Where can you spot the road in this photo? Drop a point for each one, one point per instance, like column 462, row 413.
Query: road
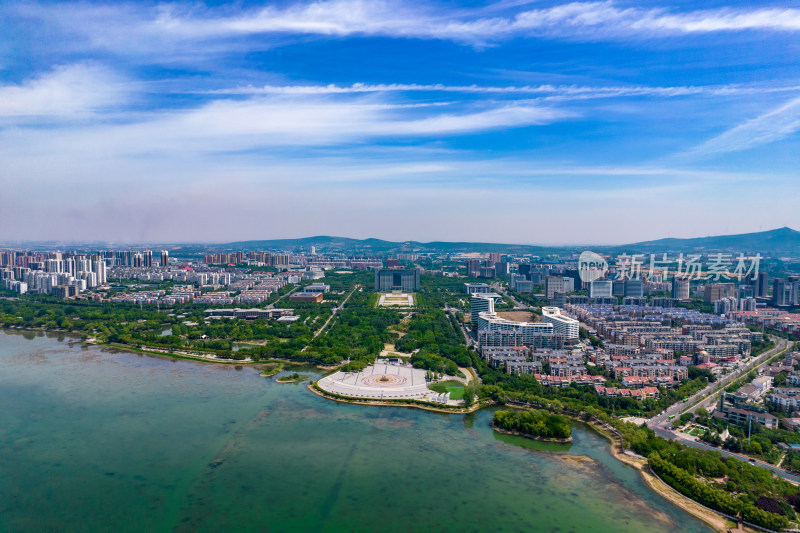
column 272, row 305
column 333, row 314
column 706, row 397
column 518, row 306
column 725, row 453
column 468, row 340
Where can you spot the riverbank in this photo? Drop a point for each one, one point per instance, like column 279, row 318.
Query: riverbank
column 398, row 403
column 527, row 436
column 712, row 519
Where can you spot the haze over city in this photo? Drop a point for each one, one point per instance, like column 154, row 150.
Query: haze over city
column 530, row 122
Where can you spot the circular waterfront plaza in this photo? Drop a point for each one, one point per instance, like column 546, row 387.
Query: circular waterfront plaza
column 379, row 382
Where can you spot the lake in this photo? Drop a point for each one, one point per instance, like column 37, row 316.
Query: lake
column 102, row 440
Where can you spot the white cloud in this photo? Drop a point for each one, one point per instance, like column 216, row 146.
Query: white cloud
column 550, row 91
column 277, row 121
column 167, row 31
column 578, row 19
column 769, row 127
column 69, row 91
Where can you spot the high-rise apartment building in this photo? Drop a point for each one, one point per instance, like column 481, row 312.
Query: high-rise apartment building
column 785, row 291
column 761, row 285
column 487, row 272
column 680, row 288
column 473, row 267
column 600, row 289
column 717, row 291
column 634, row 287
column 480, row 302
column 164, row 258
column 554, row 284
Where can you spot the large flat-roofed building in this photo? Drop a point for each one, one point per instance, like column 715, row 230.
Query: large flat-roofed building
column 304, row 296
column 397, row 280
column 488, row 321
column 248, row 314
column 473, row 288
column 317, row 287
column 566, row 326
column 600, row 289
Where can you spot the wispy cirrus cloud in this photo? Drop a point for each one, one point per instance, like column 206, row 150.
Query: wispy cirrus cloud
column 772, row 126
column 576, row 19
column 275, row 121
column 129, row 28
column 545, row 90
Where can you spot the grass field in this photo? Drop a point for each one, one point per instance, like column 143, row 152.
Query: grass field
column 455, row 388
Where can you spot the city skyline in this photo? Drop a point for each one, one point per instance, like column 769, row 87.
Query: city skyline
column 555, row 123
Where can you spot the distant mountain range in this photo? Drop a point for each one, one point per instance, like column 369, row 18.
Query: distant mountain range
column 325, row 243
column 777, row 241
column 782, row 240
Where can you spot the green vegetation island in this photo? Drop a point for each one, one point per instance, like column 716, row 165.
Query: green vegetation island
column 534, row 424
column 292, row 378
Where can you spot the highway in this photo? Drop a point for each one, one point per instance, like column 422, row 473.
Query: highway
column 725, row 453
column 518, row 306
column 708, row 396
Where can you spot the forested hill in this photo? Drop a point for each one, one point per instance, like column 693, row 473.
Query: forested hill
column 328, row 244
column 782, row 240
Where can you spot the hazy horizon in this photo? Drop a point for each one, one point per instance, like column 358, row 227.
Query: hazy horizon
column 220, row 243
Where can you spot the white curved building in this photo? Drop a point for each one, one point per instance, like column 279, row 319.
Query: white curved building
column 488, row 321
column 567, row 326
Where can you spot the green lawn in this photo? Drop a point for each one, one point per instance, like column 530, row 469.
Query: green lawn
column 455, row 388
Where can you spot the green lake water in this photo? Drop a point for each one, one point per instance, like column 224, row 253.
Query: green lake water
column 99, row 440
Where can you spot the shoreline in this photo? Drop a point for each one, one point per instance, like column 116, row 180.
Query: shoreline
column 79, row 339
column 531, row 437
column 710, row 518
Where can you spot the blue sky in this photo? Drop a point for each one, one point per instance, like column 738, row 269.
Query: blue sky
column 514, row 121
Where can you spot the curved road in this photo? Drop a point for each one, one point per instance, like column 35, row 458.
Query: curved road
column 708, row 396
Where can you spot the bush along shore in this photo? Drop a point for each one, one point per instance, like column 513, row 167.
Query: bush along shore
column 537, row 425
